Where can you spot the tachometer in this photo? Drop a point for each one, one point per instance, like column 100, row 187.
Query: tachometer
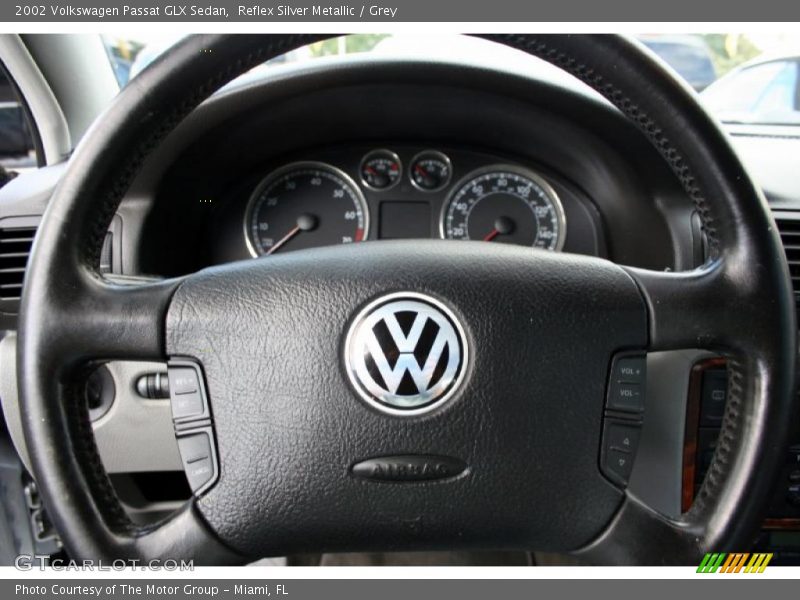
column 305, row 205
column 505, row 204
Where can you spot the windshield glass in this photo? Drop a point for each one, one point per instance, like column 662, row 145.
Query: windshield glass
column 741, row 78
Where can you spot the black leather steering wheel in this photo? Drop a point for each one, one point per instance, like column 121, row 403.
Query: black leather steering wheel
column 526, row 419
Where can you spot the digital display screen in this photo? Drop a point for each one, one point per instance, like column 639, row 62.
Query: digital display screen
column 404, row 220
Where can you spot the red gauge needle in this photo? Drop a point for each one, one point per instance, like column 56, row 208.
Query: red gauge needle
column 492, row 234
column 305, row 222
column 502, row 225
column 292, row 232
column 380, row 180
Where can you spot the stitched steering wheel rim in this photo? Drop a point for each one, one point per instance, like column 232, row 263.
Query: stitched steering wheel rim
column 71, row 315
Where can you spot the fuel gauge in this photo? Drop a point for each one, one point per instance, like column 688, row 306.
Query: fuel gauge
column 381, row 170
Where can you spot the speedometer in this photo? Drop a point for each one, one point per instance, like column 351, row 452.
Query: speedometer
column 305, row 205
column 505, row 204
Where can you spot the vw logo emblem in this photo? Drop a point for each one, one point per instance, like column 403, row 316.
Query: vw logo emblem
column 405, row 353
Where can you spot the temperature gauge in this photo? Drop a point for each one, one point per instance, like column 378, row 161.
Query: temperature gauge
column 380, row 170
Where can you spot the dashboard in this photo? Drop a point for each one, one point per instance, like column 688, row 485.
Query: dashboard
column 357, row 193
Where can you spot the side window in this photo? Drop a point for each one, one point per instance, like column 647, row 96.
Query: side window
column 17, row 149
column 778, row 102
column 762, row 94
column 740, row 92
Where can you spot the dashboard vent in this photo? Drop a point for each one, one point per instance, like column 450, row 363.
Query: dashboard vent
column 15, row 246
column 789, row 228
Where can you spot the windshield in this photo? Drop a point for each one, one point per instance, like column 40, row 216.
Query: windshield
column 741, row 78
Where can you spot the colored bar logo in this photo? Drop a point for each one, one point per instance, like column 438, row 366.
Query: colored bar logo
column 734, row 563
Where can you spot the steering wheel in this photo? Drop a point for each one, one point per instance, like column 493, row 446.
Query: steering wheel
column 284, row 351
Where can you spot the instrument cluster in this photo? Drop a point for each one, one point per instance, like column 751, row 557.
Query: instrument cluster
column 400, row 192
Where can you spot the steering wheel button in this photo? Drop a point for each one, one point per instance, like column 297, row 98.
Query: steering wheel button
column 183, row 381
column 194, row 446
column 198, row 472
column 198, row 459
column 618, row 465
column 620, row 441
column 626, row 388
column 620, row 436
column 630, row 369
column 626, row 396
column 186, row 392
column 186, row 406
